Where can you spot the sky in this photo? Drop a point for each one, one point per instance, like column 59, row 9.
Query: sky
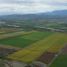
column 31, row 6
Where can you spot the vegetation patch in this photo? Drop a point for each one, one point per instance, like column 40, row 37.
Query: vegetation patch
column 61, row 61
column 24, row 40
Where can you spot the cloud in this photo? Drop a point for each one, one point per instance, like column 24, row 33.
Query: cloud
column 34, row 1
column 31, row 6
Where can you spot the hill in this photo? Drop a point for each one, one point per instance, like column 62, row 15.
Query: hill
column 58, row 14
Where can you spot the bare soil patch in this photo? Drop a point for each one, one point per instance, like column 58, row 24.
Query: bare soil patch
column 46, row 57
column 6, row 51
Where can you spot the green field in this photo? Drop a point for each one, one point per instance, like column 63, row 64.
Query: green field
column 24, row 40
column 61, row 61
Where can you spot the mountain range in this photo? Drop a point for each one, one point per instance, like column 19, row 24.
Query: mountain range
column 58, row 14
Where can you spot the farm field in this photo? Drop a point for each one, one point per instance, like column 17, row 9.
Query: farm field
column 10, row 30
column 34, row 46
column 61, row 61
column 58, row 45
column 8, row 35
column 35, row 50
column 46, row 57
column 23, row 40
column 4, row 32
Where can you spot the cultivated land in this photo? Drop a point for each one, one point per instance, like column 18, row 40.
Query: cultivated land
column 35, row 50
column 4, row 36
column 61, row 60
column 35, row 46
column 8, row 30
column 23, row 40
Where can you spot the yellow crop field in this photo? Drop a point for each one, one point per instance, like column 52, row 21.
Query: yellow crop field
column 59, row 44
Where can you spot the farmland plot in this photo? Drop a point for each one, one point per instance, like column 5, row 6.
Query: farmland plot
column 25, row 39
column 61, row 60
column 4, row 36
column 59, row 44
column 32, row 52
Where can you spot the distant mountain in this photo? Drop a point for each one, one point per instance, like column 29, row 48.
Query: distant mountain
column 58, row 14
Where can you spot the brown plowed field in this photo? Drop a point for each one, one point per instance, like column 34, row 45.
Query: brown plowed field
column 46, row 57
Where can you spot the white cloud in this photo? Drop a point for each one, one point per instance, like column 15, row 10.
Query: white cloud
column 31, row 6
column 33, row 1
column 18, row 8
